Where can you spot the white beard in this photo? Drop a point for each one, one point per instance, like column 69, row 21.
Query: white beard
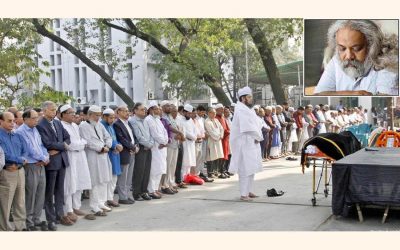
column 354, row 68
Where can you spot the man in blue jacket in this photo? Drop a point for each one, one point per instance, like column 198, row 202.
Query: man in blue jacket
column 114, row 155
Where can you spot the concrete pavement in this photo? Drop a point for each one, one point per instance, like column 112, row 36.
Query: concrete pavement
column 216, row 207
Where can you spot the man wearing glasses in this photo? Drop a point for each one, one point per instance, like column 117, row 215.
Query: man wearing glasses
column 35, row 176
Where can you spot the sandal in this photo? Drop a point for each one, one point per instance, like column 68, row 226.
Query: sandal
column 251, row 195
column 99, row 213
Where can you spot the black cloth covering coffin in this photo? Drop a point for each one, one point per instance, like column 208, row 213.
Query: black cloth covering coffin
column 333, row 145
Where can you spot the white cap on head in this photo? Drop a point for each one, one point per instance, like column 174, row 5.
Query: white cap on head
column 326, row 107
column 188, row 108
column 268, row 108
column 291, row 109
column 317, row 107
column 108, row 112
column 95, row 109
column 65, row 108
column 165, row 102
column 153, row 104
column 244, row 91
column 256, row 107
column 218, row 105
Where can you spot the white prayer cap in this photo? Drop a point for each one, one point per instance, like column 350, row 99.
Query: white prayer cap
column 317, row 107
column 291, row 109
column 341, row 110
column 153, row 104
column 326, row 107
column 65, row 108
column 108, row 112
column 95, row 109
column 279, row 106
column 268, row 108
column 219, row 105
column 244, row 91
column 165, row 102
column 188, row 108
column 256, row 107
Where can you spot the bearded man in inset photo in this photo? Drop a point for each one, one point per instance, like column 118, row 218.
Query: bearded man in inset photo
column 359, row 60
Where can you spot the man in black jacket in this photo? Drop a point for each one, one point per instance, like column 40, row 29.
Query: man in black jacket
column 56, row 140
column 125, row 135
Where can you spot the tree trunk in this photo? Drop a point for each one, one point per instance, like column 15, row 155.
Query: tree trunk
column 259, row 39
column 107, row 78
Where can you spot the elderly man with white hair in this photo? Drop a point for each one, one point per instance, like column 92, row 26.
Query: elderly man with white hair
column 245, row 138
column 159, row 149
column 362, row 60
column 77, row 176
column 99, row 143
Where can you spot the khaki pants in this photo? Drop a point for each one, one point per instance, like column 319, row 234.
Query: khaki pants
column 12, row 193
column 168, row 179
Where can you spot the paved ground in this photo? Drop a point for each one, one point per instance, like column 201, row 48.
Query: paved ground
column 216, row 207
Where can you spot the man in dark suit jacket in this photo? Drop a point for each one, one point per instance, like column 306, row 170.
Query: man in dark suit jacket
column 56, row 140
column 124, row 132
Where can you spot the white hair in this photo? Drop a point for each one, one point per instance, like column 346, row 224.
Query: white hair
column 382, row 49
column 46, row 104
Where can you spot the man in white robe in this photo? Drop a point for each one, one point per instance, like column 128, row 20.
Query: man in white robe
column 321, row 120
column 77, row 176
column 189, row 146
column 158, row 151
column 99, row 142
column 244, row 140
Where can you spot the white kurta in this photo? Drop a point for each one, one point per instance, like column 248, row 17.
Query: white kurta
column 304, row 134
column 160, row 136
column 99, row 163
column 77, row 175
column 189, row 146
column 215, row 134
column 246, row 154
column 322, row 127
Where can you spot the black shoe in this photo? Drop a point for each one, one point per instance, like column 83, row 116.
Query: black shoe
column 42, row 225
column 146, row 196
column 155, row 196
column 227, row 175
column 138, row 198
column 167, row 191
column 52, row 226
column 126, row 202
column 221, row 176
column 230, row 174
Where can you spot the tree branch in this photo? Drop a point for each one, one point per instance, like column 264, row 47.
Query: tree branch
column 179, row 26
column 41, row 29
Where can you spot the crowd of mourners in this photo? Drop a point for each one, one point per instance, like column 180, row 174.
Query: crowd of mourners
column 54, row 157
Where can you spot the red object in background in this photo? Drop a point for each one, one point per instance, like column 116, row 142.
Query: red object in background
column 193, row 179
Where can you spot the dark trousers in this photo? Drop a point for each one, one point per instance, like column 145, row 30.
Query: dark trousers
column 141, row 171
column 178, row 171
column 54, row 194
column 227, row 163
column 264, row 145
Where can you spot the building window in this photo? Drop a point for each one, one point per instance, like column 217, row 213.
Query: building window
column 77, row 85
column 57, row 23
column 51, row 46
column 60, row 83
column 129, row 53
column 51, row 60
column 84, row 80
column 59, row 61
column 53, row 78
column 111, row 94
column 58, row 33
column 130, row 71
